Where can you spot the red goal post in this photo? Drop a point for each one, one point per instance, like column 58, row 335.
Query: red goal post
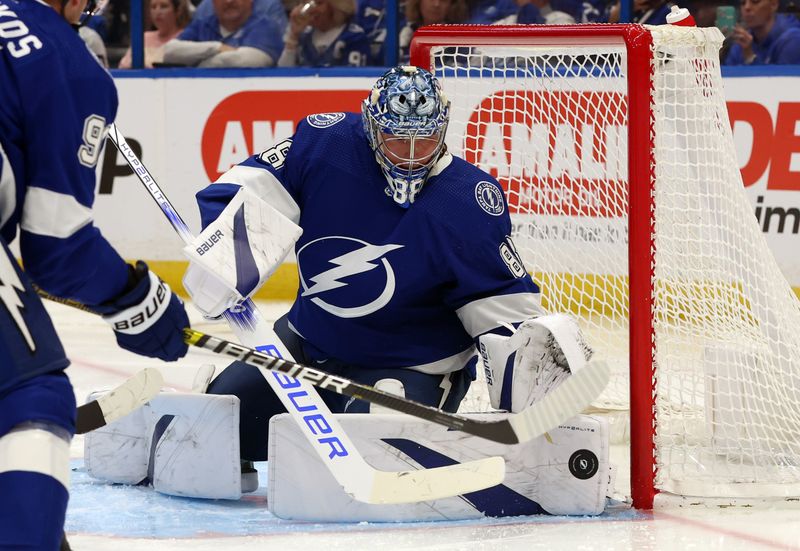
column 617, row 137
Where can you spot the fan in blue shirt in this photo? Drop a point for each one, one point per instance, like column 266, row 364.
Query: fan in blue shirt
column 766, row 37
column 233, row 35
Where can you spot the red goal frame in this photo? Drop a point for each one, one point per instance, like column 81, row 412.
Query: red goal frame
column 641, row 207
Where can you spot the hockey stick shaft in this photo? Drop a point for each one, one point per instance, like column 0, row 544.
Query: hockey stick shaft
column 342, row 459
column 375, row 486
column 568, row 399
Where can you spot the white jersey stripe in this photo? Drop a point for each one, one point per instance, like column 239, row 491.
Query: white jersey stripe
column 483, row 315
column 36, row 451
column 446, row 365
column 8, row 189
column 53, row 214
column 264, row 184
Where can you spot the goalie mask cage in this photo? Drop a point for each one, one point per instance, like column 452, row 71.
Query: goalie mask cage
column 615, row 150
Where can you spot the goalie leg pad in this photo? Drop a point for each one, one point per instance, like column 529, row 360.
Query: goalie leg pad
column 541, row 353
column 564, row 472
column 237, row 252
column 185, row 444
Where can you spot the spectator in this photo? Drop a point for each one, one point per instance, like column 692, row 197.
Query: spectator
column 537, row 11
column 169, row 17
column 766, row 37
column 486, row 12
column 371, row 16
column 275, row 10
column 705, row 12
column 649, row 12
column 232, row 36
column 113, row 23
column 428, row 12
column 585, row 11
column 320, row 34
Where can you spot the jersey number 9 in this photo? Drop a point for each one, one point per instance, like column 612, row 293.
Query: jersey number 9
column 93, row 134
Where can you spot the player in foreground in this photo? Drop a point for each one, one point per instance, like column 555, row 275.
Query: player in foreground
column 51, row 136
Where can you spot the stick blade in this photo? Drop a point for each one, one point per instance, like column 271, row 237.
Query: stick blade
column 438, row 483
column 121, row 401
column 567, row 400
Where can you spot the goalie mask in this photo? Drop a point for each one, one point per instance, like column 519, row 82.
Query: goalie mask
column 405, row 119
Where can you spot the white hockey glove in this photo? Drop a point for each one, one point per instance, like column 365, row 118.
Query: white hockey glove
column 233, row 257
column 540, row 354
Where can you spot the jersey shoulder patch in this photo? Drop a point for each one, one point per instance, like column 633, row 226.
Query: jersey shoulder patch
column 324, row 120
column 489, row 197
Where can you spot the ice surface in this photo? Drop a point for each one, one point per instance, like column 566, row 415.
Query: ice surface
column 123, row 518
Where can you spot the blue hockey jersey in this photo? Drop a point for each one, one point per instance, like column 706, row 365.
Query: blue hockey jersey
column 55, row 104
column 382, row 286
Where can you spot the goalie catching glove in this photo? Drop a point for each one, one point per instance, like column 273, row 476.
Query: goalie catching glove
column 523, row 368
column 233, row 257
column 147, row 318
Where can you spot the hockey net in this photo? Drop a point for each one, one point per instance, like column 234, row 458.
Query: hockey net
column 614, row 147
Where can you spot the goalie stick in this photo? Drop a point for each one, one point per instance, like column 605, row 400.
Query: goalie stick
column 121, row 401
column 565, row 401
column 346, row 464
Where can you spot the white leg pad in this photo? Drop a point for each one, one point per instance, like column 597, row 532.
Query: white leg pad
column 565, row 472
column 186, row 444
column 35, row 450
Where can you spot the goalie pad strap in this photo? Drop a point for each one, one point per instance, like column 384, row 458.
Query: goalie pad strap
column 35, row 450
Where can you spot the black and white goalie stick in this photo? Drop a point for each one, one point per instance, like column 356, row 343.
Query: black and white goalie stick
column 120, row 401
column 567, row 400
column 349, row 468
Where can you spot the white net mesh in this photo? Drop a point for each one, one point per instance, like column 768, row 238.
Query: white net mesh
column 550, row 121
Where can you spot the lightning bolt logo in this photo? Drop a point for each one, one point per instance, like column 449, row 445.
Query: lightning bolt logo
column 10, row 287
column 361, row 260
column 352, row 263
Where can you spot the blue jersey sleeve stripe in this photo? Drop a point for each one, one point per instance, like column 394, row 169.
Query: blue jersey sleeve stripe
column 8, row 189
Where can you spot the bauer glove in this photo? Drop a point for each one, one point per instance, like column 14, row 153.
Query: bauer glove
column 148, row 318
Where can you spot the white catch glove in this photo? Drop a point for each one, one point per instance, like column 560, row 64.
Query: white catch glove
column 233, row 257
column 540, row 354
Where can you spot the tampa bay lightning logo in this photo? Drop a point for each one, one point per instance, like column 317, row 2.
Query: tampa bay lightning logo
column 489, row 198
column 346, row 277
column 324, row 120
